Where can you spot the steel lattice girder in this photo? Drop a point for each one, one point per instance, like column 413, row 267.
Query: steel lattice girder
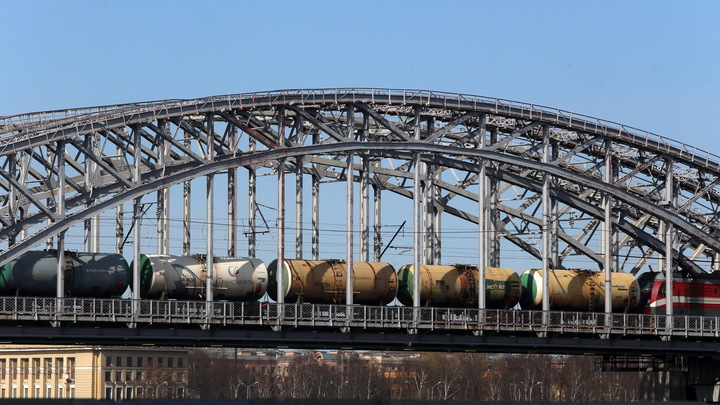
column 449, row 127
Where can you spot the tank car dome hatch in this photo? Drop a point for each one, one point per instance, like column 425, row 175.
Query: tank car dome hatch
column 324, row 281
column 456, row 286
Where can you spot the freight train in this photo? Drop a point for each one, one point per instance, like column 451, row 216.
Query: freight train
column 104, row 275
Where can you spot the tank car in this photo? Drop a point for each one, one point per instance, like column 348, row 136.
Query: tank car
column 579, row 290
column 34, row 273
column 456, row 286
column 183, row 277
column 696, row 295
column 324, row 281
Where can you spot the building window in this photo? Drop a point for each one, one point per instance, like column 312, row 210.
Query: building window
column 181, row 392
column 160, row 362
column 60, row 391
column 139, row 392
column 108, row 376
column 48, row 391
column 26, row 369
column 48, row 368
column 118, row 393
column 108, row 361
column 108, row 392
column 128, row 392
column 26, row 391
column 59, row 368
column 13, row 369
column 138, row 375
column 128, row 376
column 36, row 369
column 71, row 367
column 139, row 361
column 72, row 391
column 2, row 392
column 14, row 391
column 3, row 368
column 118, row 376
column 170, row 361
column 37, row 390
column 181, row 362
column 118, row 361
column 129, row 362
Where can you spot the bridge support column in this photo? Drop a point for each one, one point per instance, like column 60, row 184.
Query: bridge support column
column 482, row 217
column 60, row 213
column 417, row 218
column 210, row 200
column 163, row 196
column 607, row 230
column 232, row 197
column 137, row 212
column 315, row 249
column 187, row 195
column 299, row 195
column 252, row 205
column 669, row 239
column 377, row 218
column 365, row 210
column 349, row 181
column 281, row 233
column 546, row 222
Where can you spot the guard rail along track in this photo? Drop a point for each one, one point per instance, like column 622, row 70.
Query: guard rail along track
column 138, row 313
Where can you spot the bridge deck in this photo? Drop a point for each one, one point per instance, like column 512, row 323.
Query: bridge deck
column 199, row 323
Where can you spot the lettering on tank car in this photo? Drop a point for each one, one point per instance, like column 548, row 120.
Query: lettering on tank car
column 363, row 278
column 495, row 286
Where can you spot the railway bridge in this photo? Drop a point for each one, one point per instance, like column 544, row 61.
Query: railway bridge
column 475, row 177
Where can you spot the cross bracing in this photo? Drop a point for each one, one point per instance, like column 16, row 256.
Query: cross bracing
column 486, row 161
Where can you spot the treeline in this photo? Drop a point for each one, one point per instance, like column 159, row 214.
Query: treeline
column 456, row 376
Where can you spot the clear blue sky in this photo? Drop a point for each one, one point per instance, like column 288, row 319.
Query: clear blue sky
column 648, row 64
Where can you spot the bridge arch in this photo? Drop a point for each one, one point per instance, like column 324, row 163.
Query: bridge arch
column 114, row 154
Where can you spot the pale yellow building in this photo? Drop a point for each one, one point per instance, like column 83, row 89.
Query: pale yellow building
column 92, row 372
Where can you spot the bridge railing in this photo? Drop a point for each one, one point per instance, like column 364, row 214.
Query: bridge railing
column 207, row 314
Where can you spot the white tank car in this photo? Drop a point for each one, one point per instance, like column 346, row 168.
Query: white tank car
column 183, row 277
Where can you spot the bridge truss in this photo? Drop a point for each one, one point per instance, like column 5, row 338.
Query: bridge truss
column 622, row 198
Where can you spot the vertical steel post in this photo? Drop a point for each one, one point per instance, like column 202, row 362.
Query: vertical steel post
column 546, row 223
column 299, row 207
column 281, row 211
column 187, row 195
column 210, row 200
column 482, row 217
column 669, row 236
column 24, row 168
column 87, row 224
column 417, row 215
column 349, row 179
column 607, row 228
column 137, row 211
column 12, row 196
column 377, row 224
column 429, row 208
column 365, row 197
column 252, row 204
column 119, row 214
column 493, row 219
column 163, row 196
column 281, row 233
column 315, row 254
column 51, row 157
column 232, row 197
column 60, row 214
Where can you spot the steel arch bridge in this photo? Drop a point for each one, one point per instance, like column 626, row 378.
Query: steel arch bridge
column 512, row 168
